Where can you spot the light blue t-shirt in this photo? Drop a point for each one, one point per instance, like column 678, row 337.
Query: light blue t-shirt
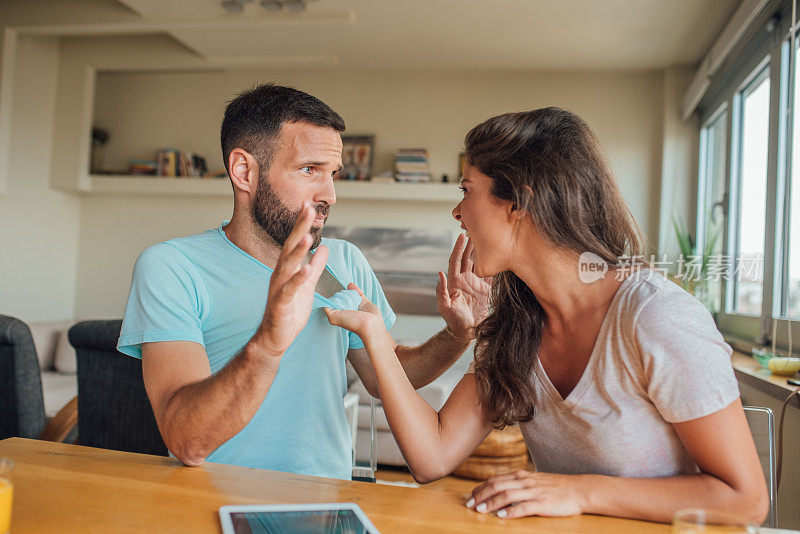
column 205, row 289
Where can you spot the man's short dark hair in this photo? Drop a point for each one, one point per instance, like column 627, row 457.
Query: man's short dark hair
column 254, row 118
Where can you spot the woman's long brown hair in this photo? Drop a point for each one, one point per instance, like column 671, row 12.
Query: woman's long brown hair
column 548, row 163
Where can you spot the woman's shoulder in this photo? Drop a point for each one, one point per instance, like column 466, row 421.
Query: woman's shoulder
column 647, row 296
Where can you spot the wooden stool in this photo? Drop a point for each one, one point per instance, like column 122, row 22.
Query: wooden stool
column 503, row 451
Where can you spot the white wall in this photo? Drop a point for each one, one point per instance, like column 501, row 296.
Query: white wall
column 38, row 226
column 678, row 191
column 146, row 111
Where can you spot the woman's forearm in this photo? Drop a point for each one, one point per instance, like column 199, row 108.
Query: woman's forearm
column 414, row 423
column 657, row 499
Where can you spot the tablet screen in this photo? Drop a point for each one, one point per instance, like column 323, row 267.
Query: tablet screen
column 301, row 521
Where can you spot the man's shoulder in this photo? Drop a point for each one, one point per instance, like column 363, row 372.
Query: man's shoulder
column 340, row 248
column 177, row 251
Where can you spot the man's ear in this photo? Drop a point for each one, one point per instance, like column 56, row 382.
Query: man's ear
column 243, row 170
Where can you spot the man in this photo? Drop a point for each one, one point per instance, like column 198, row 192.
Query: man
column 239, row 360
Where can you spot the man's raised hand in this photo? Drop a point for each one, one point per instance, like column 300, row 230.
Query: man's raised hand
column 291, row 288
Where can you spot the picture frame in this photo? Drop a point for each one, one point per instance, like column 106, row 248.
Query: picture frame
column 357, row 156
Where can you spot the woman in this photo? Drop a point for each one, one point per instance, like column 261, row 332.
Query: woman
column 620, row 381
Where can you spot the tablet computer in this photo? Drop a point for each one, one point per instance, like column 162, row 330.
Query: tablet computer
column 327, row 518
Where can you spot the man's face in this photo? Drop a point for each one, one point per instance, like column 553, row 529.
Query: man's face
column 302, row 169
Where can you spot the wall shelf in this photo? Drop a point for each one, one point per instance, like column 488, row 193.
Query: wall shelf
column 345, row 190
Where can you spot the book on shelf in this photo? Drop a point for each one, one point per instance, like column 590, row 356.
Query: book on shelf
column 411, row 165
column 142, row 167
column 174, row 163
column 413, row 177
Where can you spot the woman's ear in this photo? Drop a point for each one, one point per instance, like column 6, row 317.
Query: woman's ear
column 243, row 170
column 518, row 212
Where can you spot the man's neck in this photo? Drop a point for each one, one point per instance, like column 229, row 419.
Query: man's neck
column 252, row 239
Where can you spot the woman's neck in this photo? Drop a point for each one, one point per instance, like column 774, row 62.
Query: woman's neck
column 553, row 277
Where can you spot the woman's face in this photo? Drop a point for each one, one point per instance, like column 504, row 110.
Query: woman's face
column 488, row 222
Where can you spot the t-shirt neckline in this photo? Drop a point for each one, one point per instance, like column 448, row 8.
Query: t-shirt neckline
column 580, row 389
column 224, row 236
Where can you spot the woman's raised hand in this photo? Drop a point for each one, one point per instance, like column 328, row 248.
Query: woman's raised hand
column 365, row 321
column 462, row 296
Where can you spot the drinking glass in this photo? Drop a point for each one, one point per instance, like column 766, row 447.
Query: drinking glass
column 696, row 520
column 6, row 494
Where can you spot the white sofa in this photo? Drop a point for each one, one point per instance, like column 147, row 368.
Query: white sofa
column 408, row 330
column 57, row 363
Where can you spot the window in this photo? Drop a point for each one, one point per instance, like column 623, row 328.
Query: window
column 749, row 183
column 746, row 275
column 712, row 203
column 789, row 290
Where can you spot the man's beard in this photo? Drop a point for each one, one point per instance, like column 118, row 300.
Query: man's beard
column 276, row 218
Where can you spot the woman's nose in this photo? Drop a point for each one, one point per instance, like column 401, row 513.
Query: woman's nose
column 457, row 212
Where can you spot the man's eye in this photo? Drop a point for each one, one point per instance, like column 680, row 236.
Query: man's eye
column 308, row 169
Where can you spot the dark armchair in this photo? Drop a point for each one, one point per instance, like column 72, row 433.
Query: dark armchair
column 22, row 413
column 113, row 409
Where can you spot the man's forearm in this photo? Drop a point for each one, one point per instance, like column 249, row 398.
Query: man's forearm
column 201, row 416
column 425, row 363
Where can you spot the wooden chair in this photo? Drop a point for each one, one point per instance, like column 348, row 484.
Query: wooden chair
column 21, row 397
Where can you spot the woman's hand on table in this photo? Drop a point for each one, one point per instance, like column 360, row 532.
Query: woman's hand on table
column 462, row 297
column 524, row 493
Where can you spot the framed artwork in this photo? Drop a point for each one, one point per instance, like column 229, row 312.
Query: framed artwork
column 357, row 155
column 406, row 262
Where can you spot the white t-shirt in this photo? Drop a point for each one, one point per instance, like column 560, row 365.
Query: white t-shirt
column 658, row 359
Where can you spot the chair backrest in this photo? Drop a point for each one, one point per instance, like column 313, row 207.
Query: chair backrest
column 113, row 409
column 762, row 427
column 22, row 413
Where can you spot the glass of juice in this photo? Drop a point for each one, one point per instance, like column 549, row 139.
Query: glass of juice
column 696, row 520
column 6, row 493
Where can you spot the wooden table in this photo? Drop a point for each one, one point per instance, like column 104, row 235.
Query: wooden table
column 67, row 488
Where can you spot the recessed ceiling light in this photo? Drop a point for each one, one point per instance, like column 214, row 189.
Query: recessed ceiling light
column 233, row 6
column 272, row 5
column 295, row 5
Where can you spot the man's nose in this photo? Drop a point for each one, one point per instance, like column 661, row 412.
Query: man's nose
column 327, row 194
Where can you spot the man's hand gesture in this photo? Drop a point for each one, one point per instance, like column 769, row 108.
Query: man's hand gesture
column 291, row 288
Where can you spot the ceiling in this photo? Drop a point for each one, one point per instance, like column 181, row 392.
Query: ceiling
column 453, row 34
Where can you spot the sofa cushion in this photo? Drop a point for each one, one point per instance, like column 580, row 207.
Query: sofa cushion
column 388, row 452
column 58, row 389
column 45, row 338
column 65, row 360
